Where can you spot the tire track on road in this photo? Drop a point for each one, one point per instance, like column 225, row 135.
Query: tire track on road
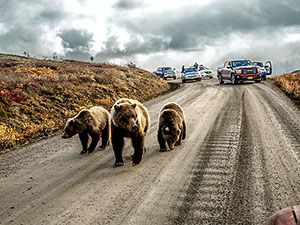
column 282, row 111
column 268, row 177
column 206, row 197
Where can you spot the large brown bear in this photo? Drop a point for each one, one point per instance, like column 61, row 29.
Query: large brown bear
column 172, row 126
column 130, row 119
column 93, row 122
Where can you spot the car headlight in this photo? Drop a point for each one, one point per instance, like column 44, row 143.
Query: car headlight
column 258, row 70
column 239, row 71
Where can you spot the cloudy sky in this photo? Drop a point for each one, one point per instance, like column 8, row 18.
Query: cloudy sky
column 153, row 33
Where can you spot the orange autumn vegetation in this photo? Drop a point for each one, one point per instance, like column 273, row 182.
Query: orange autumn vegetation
column 37, row 96
column 290, row 83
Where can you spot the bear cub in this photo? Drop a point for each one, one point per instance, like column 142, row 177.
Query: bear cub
column 130, row 119
column 172, row 126
column 93, row 122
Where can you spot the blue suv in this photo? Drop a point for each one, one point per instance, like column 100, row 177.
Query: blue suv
column 165, row 73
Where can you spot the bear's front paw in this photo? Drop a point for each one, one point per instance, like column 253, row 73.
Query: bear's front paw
column 119, row 164
column 136, row 160
column 83, row 151
column 163, row 150
column 177, row 143
column 91, row 150
column 102, row 147
column 135, row 164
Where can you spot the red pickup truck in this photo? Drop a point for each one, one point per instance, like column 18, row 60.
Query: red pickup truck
column 239, row 70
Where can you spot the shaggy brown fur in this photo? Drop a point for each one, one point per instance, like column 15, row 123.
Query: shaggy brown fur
column 130, row 119
column 172, row 126
column 93, row 122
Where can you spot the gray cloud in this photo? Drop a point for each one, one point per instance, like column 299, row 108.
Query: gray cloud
column 31, row 12
column 21, row 38
column 133, row 47
column 50, row 16
column 127, row 4
column 233, row 29
column 79, row 40
column 76, row 44
column 194, row 27
column 25, row 23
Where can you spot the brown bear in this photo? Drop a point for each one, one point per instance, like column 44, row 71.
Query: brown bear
column 172, row 126
column 130, row 119
column 93, row 122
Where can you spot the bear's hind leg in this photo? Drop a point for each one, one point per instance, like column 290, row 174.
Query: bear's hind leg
column 84, row 138
column 95, row 139
column 138, row 144
column 118, row 144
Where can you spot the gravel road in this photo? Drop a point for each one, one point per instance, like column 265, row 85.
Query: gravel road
column 238, row 164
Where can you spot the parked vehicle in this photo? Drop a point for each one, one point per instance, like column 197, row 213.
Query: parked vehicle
column 239, row 70
column 205, row 72
column 265, row 69
column 165, row 73
column 190, row 73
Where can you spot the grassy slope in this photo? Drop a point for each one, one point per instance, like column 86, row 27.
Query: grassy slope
column 290, row 83
column 36, row 96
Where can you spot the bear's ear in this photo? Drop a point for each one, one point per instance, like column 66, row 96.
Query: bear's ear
column 133, row 105
column 84, row 113
column 117, row 107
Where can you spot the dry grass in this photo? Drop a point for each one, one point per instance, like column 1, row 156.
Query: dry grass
column 36, row 96
column 290, row 83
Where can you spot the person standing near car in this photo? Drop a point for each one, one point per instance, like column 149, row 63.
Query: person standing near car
column 196, row 65
column 182, row 69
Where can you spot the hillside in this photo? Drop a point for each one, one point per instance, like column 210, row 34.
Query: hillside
column 37, row 96
column 289, row 83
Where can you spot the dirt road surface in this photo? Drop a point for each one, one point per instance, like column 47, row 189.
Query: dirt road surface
column 239, row 164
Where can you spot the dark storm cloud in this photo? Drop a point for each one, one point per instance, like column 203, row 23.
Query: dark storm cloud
column 21, row 38
column 194, row 27
column 127, row 4
column 7, row 10
column 281, row 13
column 134, row 46
column 76, row 39
column 50, row 15
column 37, row 26
column 25, row 22
column 31, row 12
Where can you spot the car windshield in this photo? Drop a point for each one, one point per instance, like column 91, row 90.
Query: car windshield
column 239, row 63
column 260, row 64
column 203, row 68
column 188, row 70
column 166, row 68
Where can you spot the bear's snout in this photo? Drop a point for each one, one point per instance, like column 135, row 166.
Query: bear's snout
column 171, row 145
